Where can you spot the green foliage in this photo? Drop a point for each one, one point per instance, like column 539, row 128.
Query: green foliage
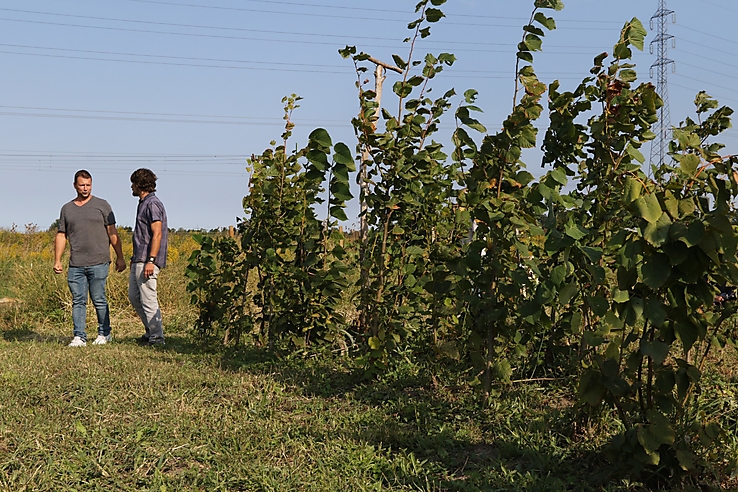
column 296, row 257
column 595, row 273
column 646, row 261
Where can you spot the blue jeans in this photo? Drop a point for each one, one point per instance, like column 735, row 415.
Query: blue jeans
column 90, row 279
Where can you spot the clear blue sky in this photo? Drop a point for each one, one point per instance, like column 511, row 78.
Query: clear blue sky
column 190, row 88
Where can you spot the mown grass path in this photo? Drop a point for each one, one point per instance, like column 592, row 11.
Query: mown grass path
column 185, row 417
column 124, row 417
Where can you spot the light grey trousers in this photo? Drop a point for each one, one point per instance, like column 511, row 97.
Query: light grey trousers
column 142, row 294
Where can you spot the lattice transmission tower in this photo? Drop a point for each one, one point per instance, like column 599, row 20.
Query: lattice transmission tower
column 660, row 46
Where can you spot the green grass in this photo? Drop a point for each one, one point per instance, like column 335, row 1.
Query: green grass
column 190, row 416
column 123, row 417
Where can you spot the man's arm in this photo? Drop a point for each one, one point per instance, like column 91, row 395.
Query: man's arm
column 60, row 242
column 120, row 262
column 153, row 247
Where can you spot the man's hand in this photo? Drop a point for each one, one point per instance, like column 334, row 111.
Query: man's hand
column 148, row 270
column 60, row 242
column 120, row 264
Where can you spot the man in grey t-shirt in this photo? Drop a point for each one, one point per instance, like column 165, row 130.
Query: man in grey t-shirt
column 88, row 223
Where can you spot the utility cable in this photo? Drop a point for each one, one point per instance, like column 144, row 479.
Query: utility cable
column 347, row 71
column 182, row 115
column 363, row 9
column 511, row 26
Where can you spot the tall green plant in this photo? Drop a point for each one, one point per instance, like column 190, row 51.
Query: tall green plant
column 502, row 207
column 634, row 261
column 411, row 189
column 295, row 255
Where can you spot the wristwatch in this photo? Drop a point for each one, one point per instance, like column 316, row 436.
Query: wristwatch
column 151, row 259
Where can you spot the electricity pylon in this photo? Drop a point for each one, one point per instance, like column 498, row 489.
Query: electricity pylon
column 662, row 129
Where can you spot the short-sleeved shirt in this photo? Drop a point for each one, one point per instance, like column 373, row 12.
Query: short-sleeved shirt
column 149, row 210
column 86, row 228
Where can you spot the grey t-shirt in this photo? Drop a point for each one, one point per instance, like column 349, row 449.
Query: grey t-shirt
column 149, row 210
column 86, row 230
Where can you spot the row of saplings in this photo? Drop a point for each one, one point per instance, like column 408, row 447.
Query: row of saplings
column 595, row 275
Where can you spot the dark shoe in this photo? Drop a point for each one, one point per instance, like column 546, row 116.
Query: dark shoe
column 142, row 340
column 156, row 343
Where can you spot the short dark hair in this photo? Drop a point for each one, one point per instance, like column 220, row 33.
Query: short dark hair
column 145, row 179
column 82, row 174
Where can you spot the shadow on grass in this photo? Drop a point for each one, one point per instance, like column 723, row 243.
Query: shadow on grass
column 407, row 413
column 26, row 335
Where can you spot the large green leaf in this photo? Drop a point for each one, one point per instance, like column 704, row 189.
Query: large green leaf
column 649, row 208
column 341, row 191
column 434, row 15
column 687, row 333
column 648, row 441
column 599, row 305
column 547, row 22
column 576, row 231
column 567, row 293
column 633, row 190
column 318, row 159
column 338, row 213
column 686, row 459
column 342, row 155
column 533, row 42
column 660, row 427
column 549, row 4
column 686, row 206
column 658, row 233
column 502, row 370
column 710, row 246
column 630, row 75
column 656, row 270
column 635, row 33
column 593, row 254
column 321, row 137
column 689, row 163
column 657, row 350
column 655, row 311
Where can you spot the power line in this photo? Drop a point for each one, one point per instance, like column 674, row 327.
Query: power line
column 230, row 60
column 127, row 170
column 193, row 26
column 732, row 89
column 183, row 115
column 173, row 57
column 682, row 50
column 718, row 5
column 346, row 71
column 705, row 69
column 217, row 36
column 322, row 35
column 710, row 35
column 110, row 19
column 155, row 120
column 91, row 154
column 197, row 35
column 711, row 48
column 698, row 90
column 362, row 9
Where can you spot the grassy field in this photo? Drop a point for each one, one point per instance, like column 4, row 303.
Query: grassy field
column 190, row 416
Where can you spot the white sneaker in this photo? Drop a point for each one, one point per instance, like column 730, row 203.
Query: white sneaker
column 77, row 342
column 102, row 339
